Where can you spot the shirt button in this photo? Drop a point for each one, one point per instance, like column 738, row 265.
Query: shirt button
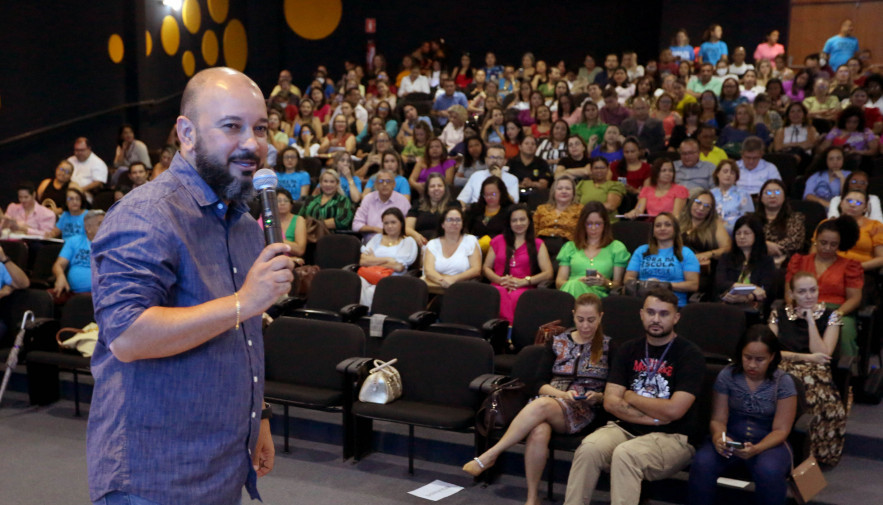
column 235, row 270
column 220, row 205
column 249, row 343
column 253, row 415
column 255, row 378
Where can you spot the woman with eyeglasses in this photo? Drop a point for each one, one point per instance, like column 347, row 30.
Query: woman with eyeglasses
column 52, row 192
column 732, row 201
column 290, row 175
column 783, row 229
column 840, row 279
column 666, row 258
column 486, row 218
column 390, row 160
column 70, row 223
column 516, row 260
column 452, row 256
column 702, row 230
column 828, row 177
column 858, row 180
column 593, row 262
column 746, row 263
column 869, row 249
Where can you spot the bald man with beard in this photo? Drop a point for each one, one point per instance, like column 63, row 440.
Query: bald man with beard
column 180, row 281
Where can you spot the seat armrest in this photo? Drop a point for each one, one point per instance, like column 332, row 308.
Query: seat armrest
column 496, row 331
column 421, row 319
column 866, row 312
column 285, row 306
column 846, row 362
column 801, row 424
column 456, row 329
column 353, row 312
column 354, row 366
column 486, row 383
column 322, row 315
column 352, row 267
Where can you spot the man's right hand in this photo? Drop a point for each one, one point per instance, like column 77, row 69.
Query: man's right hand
column 269, row 278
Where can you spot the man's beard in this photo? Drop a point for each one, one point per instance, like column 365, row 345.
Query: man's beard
column 661, row 334
column 218, row 176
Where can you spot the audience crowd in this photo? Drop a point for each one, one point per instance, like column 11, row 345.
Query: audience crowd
column 756, row 181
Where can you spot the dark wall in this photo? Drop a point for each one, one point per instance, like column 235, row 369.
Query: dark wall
column 744, row 23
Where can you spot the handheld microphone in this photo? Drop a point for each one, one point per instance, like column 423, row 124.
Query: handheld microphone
column 264, row 181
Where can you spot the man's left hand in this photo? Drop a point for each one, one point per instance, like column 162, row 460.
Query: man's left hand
column 265, row 451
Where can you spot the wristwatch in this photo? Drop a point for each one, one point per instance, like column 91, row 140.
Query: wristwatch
column 267, row 412
column 5, row 260
column 528, row 280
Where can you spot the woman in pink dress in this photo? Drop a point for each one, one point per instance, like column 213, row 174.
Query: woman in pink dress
column 516, row 260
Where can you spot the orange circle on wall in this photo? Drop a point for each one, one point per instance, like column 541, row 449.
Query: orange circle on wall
column 218, row 9
column 191, row 15
column 148, row 43
column 170, row 35
column 235, row 45
column 313, row 19
column 115, row 48
column 210, row 47
column 188, row 62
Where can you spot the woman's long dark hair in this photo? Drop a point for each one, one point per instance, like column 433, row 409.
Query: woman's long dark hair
column 468, row 160
column 529, row 239
column 763, row 334
column 780, row 224
column 820, row 163
column 758, row 250
column 477, row 208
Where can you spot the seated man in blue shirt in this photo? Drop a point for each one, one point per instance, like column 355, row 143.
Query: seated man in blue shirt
column 444, row 101
column 73, row 267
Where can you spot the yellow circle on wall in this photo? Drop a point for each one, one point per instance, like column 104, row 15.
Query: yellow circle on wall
column 188, row 61
column 235, row 45
column 148, row 43
column 217, row 9
column 115, row 48
column 313, row 19
column 210, row 47
column 191, row 15
column 170, row 35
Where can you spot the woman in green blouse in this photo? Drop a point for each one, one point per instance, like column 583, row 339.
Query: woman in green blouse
column 330, row 206
column 593, row 262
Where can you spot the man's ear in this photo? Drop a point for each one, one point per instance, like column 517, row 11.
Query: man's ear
column 186, row 132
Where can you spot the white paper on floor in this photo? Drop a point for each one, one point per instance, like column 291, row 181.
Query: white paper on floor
column 436, row 490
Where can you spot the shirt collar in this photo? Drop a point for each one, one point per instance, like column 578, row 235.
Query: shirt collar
column 198, row 189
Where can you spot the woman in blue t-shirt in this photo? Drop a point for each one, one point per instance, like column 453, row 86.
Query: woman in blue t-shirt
column 665, row 258
column 681, row 48
column 754, row 404
column 70, row 223
column 291, row 175
column 713, row 49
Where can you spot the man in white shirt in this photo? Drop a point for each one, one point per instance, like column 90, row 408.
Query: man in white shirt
column 90, row 173
column 414, row 82
column 753, row 169
column 495, row 159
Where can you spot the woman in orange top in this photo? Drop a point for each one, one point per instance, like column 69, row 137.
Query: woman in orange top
column 840, row 279
column 869, row 249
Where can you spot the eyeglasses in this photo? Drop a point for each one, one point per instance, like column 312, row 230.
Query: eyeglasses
column 703, row 204
column 453, row 220
column 290, row 157
column 384, row 181
column 858, row 182
column 852, row 201
column 594, row 225
column 495, row 157
column 773, row 192
column 491, row 195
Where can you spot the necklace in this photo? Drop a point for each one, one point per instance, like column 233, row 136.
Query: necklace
column 650, row 371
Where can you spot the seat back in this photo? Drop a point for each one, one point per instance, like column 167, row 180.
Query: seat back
column 13, row 307
column 632, row 234
column 103, row 200
column 337, row 250
column 715, row 327
column 786, row 164
column 400, row 296
column 78, row 311
column 470, row 303
column 17, row 251
column 333, row 288
column 875, row 184
column 437, row 368
column 44, row 258
column 537, row 307
column 814, row 213
column 622, row 318
column 526, row 366
column 305, row 351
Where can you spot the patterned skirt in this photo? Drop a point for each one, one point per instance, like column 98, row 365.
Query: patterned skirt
column 827, row 430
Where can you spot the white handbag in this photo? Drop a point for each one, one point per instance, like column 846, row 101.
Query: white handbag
column 383, row 384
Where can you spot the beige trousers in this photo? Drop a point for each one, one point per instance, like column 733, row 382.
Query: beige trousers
column 629, row 460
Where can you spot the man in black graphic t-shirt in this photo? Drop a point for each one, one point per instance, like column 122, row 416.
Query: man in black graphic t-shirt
column 651, row 389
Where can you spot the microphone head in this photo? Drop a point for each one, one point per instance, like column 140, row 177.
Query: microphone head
column 264, row 179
